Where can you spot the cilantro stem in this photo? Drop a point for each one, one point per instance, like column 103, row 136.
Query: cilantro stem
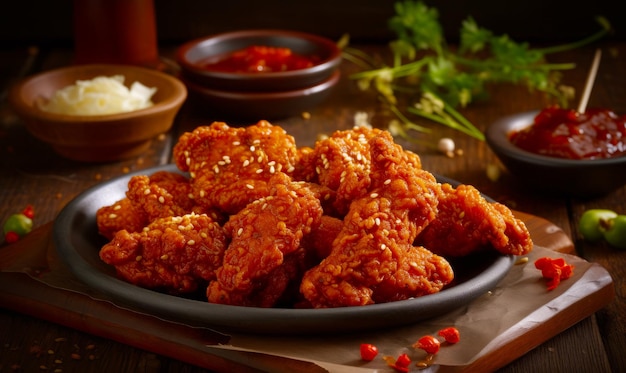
column 491, row 64
column 466, row 124
column 398, row 72
column 606, row 28
column 449, row 122
column 406, row 121
column 357, row 57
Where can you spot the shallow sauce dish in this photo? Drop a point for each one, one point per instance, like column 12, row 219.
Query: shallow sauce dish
column 253, row 106
column 98, row 138
column 78, row 244
column 579, row 178
column 193, row 54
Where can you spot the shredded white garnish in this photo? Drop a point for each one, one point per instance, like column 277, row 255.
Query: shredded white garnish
column 100, row 96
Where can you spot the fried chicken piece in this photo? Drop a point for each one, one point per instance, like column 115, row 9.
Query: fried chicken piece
column 373, row 259
column 467, row 222
column 122, row 215
column 264, row 236
column 342, row 163
column 173, row 254
column 230, row 167
column 159, row 195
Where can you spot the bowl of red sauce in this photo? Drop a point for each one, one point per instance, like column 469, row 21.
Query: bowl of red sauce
column 561, row 151
column 259, row 60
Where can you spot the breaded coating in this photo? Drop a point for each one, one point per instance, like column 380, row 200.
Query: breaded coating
column 161, row 194
column 342, row 163
column 230, row 167
column 173, row 254
column 122, row 215
column 467, row 222
column 328, row 199
column 263, row 236
column 320, row 241
column 304, row 169
column 373, row 259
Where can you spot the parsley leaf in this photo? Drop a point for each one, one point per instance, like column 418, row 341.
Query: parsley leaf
column 446, row 79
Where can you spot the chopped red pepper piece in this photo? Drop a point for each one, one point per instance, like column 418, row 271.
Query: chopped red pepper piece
column 29, row 212
column 428, row 343
column 450, row 334
column 368, row 351
column 11, row 237
column 554, row 270
column 403, row 360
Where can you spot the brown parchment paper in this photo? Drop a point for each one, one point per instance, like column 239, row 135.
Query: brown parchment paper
column 519, row 303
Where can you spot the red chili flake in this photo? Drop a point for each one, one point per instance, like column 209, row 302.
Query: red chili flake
column 450, row 334
column 554, row 270
column 368, row 351
column 11, row 237
column 428, row 343
column 401, row 364
column 29, row 212
column 403, row 360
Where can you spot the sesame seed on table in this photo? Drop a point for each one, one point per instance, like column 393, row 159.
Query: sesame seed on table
column 32, row 174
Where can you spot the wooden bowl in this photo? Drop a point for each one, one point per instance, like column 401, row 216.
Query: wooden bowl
column 97, row 138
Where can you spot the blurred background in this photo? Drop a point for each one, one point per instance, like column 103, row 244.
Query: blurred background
column 46, row 22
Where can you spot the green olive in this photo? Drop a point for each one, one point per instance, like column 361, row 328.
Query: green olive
column 615, row 235
column 18, row 223
column 594, row 223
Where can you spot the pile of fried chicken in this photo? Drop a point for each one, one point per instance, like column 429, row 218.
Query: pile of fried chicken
column 258, row 221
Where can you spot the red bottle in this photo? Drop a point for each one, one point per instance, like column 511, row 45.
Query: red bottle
column 115, row 31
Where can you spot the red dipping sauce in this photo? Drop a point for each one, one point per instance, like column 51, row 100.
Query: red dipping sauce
column 258, row 58
column 564, row 133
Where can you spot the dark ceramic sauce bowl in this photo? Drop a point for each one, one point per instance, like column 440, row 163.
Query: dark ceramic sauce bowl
column 559, row 176
column 193, row 54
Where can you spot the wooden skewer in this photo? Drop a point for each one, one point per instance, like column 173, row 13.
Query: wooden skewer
column 591, row 77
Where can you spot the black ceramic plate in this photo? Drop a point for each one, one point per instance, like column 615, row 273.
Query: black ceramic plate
column 78, row 243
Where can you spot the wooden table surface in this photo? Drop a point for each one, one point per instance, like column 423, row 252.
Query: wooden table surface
column 32, row 174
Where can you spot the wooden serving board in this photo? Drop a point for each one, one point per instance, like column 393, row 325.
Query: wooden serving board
column 68, row 303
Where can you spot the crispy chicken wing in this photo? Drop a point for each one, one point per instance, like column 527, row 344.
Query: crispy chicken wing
column 342, row 163
column 230, row 167
column 122, row 215
column 373, row 259
column 467, row 222
column 173, row 254
column 159, row 195
column 264, row 236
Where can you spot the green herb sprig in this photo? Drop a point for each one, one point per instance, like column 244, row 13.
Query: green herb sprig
column 446, row 79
